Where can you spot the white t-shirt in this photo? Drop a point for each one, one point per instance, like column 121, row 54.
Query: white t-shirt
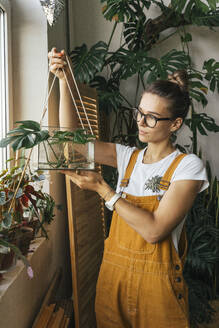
column 191, row 167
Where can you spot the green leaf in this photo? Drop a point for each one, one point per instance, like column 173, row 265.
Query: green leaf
column 27, row 135
column 125, row 63
column 7, row 220
column 124, row 11
column 178, row 5
column 6, row 141
column 213, row 4
column 210, row 19
column 186, row 38
column 168, row 63
column 18, row 143
column 108, row 93
column 213, row 84
column 88, row 62
column 134, row 33
column 2, row 198
column 31, row 125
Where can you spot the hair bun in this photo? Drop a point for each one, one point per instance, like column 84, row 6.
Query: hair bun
column 180, row 77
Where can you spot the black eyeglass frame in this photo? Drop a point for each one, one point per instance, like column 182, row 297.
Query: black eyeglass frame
column 148, row 115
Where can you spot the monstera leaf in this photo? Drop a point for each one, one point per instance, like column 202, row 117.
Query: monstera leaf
column 124, row 11
column 198, row 12
column 197, row 89
column 202, row 122
column 125, row 63
column 184, row 6
column 88, row 62
column 134, row 33
column 212, row 74
column 108, row 93
column 27, row 135
column 170, row 62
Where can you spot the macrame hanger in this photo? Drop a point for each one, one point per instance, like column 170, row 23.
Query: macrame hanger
column 73, row 99
column 45, row 107
column 78, row 92
column 48, row 93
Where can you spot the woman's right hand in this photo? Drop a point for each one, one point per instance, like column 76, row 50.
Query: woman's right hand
column 58, row 63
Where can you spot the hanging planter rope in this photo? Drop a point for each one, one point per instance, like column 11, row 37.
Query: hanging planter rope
column 80, row 136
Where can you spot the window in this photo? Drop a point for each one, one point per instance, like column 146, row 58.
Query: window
column 4, row 76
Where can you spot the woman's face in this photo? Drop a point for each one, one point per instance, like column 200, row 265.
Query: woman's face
column 157, row 106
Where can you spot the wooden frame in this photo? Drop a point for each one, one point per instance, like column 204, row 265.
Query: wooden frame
column 86, row 229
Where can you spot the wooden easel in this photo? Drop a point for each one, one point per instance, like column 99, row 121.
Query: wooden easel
column 86, row 228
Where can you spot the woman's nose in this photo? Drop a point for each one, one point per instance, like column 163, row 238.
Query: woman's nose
column 142, row 121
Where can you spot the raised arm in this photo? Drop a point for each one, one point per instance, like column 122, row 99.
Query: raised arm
column 105, row 153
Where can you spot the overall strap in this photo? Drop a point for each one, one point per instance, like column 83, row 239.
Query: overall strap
column 129, row 169
column 165, row 181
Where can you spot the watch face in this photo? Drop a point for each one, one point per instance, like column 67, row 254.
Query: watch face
column 111, row 208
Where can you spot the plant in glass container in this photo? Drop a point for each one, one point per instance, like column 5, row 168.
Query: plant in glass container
column 57, row 148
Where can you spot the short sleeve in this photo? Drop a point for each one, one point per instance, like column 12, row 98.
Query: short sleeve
column 123, row 155
column 191, row 167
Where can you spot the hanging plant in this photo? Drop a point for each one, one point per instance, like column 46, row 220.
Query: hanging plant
column 53, row 144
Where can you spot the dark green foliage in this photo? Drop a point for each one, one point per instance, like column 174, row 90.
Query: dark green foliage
column 134, row 33
column 79, row 136
column 212, row 75
column 203, row 254
column 124, row 10
column 159, row 68
column 203, row 123
column 108, row 93
column 88, row 62
column 27, row 135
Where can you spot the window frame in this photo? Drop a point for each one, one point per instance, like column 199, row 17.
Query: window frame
column 7, row 78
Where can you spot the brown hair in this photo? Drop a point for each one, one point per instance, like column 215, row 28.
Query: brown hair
column 175, row 89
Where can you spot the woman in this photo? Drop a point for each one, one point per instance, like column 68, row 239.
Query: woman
column 141, row 283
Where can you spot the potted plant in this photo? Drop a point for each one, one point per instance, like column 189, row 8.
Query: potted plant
column 24, row 210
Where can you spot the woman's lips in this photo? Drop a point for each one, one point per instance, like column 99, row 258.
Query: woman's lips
column 142, row 132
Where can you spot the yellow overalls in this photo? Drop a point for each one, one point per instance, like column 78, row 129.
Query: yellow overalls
column 141, row 285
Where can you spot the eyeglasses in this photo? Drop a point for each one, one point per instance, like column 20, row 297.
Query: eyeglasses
column 149, row 119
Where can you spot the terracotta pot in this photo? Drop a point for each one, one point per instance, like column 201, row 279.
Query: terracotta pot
column 27, row 234
column 6, row 260
column 34, row 224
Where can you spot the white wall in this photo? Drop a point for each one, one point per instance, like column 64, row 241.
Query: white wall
column 91, row 27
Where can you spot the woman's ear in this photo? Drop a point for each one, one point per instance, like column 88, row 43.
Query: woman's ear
column 176, row 125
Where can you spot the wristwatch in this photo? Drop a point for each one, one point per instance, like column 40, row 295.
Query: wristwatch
column 111, row 203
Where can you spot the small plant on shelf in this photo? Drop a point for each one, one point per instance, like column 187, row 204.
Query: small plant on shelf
column 24, row 210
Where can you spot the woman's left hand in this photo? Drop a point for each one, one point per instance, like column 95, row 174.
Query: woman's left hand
column 88, row 180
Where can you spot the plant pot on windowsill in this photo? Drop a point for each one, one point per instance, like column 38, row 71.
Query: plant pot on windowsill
column 25, row 238
column 22, row 237
column 6, row 260
column 7, row 256
column 34, row 224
